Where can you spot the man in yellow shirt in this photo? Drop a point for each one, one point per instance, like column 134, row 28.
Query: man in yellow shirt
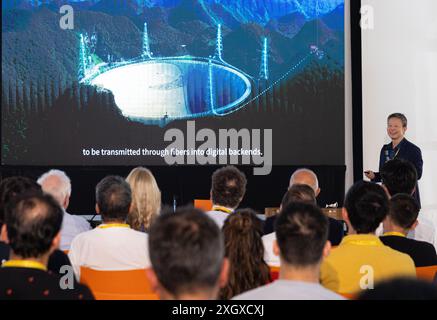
column 361, row 259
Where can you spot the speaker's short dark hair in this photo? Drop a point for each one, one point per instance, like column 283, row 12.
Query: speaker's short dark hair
column 399, row 116
column 399, row 176
column 367, row 206
column 404, row 210
column 13, row 187
column 113, row 196
column 299, row 193
column 228, row 186
column 186, row 251
column 301, row 232
column 32, row 222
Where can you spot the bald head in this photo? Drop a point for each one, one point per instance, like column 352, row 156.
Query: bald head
column 306, row 177
column 58, row 185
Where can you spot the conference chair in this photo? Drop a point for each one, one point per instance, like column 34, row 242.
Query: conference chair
column 274, row 273
column 349, row 296
column 426, row 273
column 203, row 204
column 118, row 285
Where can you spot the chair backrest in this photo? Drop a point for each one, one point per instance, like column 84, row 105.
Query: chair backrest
column 349, row 296
column 274, row 273
column 118, row 285
column 203, row 204
column 426, row 273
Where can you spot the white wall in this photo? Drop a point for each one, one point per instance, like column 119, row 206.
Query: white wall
column 400, row 75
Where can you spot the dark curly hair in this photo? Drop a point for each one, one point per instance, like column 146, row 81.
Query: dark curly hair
column 33, row 221
column 228, row 186
column 114, row 197
column 301, row 233
column 13, row 187
column 186, row 251
column 399, row 176
column 403, row 210
column 244, row 248
column 367, row 205
column 299, row 193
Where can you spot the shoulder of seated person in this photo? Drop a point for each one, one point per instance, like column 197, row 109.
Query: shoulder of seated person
column 268, row 236
column 137, row 232
column 335, row 222
column 397, row 254
column 79, row 218
column 425, row 245
column 83, row 235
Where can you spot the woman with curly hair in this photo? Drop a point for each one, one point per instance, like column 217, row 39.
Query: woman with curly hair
column 244, row 249
column 146, row 199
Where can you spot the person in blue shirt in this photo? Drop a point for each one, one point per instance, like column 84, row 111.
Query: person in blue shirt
column 398, row 148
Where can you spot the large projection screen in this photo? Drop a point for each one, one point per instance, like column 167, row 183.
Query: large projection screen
column 132, row 79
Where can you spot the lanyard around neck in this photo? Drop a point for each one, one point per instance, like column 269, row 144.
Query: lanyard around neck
column 24, row 264
column 362, row 240
column 394, row 233
column 222, row 209
column 113, row 225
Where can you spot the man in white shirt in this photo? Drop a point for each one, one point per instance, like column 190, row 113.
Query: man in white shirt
column 113, row 245
column 302, row 243
column 58, row 185
column 228, row 187
column 301, row 177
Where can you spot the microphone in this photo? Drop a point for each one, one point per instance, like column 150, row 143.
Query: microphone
column 174, row 203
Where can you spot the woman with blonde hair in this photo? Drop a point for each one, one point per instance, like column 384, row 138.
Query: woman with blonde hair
column 146, row 199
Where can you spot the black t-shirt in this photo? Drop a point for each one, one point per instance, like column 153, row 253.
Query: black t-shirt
column 422, row 253
column 35, row 284
column 56, row 261
column 4, row 252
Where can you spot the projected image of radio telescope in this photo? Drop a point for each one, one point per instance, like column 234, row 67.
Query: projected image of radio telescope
column 146, row 90
column 157, row 90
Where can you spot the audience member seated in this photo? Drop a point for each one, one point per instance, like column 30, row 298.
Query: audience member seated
column 244, row 249
column 302, row 242
column 400, row 176
column 10, row 189
column 33, row 226
column 58, row 185
column 401, row 289
column 296, row 193
column 361, row 254
column 146, row 199
column 401, row 218
column 187, row 256
column 309, row 178
column 113, row 245
column 227, row 190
